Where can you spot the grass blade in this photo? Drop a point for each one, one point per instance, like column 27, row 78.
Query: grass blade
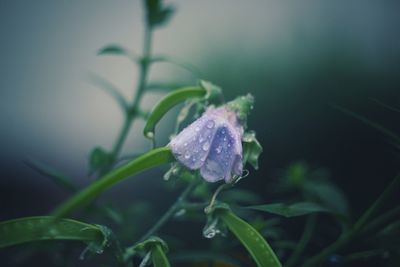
column 149, row 160
column 28, row 229
column 252, row 240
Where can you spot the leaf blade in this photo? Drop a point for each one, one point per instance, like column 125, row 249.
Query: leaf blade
column 252, row 240
column 158, row 257
column 288, row 211
column 148, row 160
column 168, row 102
column 29, row 229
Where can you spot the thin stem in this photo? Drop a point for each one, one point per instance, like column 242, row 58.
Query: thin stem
column 130, row 251
column 305, row 238
column 387, row 216
column 132, row 111
column 358, row 226
column 214, row 197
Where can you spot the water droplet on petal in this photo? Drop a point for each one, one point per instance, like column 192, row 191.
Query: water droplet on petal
column 201, row 139
column 218, row 149
column 210, row 124
column 197, row 129
column 187, row 155
column 185, row 144
column 206, row 146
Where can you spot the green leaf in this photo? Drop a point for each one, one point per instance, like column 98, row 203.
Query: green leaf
column 158, row 257
column 168, row 102
column 328, row 194
column 118, row 50
column 177, row 62
column 157, row 14
column 368, row 122
column 110, row 89
column 255, row 244
column 54, row 175
column 99, row 158
column 28, row 229
column 293, row 210
column 162, row 86
column 149, row 160
column 252, row 149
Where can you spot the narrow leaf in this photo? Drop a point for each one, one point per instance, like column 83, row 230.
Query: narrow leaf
column 118, row 50
column 54, row 175
column 149, row 160
column 297, row 209
column 177, row 62
column 168, row 102
column 368, row 122
column 162, row 86
column 110, row 89
column 158, row 257
column 28, row 229
column 255, row 244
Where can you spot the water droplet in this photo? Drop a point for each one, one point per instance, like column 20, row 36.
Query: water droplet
column 201, row 139
column 229, row 145
column 225, row 139
column 206, row 146
column 218, row 149
column 187, row 155
column 210, row 124
column 210, row 230
column 185, row 144
column 180, row 213
column 197, row 129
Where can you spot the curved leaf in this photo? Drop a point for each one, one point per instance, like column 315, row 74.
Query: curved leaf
column 158, row 256
column 168, row 102
column 297, row 209
column 118, row 50
column 38, row 228
column 49, row 172
column 252, row 149
column 110, row 89
column 149, row 160
column 255, row 244
column 177, row 62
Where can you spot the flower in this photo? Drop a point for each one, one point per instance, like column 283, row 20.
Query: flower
column 213, row 143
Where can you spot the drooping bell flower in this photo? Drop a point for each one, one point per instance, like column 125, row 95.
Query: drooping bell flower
column 213, row 143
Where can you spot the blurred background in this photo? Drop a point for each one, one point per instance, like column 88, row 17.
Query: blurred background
column 298, row 58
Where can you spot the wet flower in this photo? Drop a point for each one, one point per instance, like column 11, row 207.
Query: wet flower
column 213, row 143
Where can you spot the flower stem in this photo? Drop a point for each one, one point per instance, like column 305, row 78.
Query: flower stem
column 305, row 238
column 130, row 251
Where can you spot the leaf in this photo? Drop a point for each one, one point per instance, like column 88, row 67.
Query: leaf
column 47, row 171
column 329, row 195
column 118, row 50
column 297, row 209
column 157, row 15
column 252, row 149
column 177, row 62
column 98, row 159
column 110, row 89
column 255, row 244
column 162, row 86
column 149, row 160
column 168, row 102
column 158, row 257
column 366, row 121
column 28, row 229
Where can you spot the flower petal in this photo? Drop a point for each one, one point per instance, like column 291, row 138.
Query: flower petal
column 192, row 145
column 225, row 150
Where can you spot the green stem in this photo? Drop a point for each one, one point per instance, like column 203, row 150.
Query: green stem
column 358, row 226
column 132, row 112
column 130, row 251
column 305, row 238
column 146, row 161
column 387, row 216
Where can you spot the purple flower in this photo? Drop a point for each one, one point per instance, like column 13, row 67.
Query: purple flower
column 212, row 144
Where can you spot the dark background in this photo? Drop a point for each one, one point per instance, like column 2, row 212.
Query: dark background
column 297, row 59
